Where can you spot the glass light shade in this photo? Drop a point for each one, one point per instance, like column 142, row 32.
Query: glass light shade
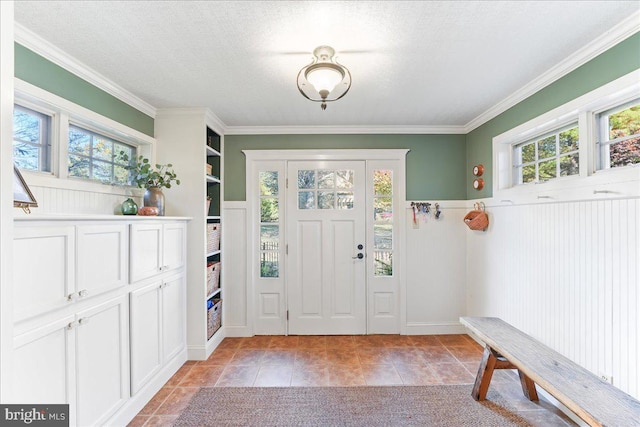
column 324, row 78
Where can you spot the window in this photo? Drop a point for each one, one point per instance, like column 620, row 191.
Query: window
column 619, row 136
column 325, row 189
column 269, row 224
column 31, row 139
column 383, row 222
column 95, row 157
column 549, row 156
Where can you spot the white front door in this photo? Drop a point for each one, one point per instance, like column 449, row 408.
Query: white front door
column 326, row 268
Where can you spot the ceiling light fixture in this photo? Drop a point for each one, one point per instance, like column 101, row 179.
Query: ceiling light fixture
column 324, row 80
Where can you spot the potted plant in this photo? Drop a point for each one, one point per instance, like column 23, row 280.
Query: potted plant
column 151, row 179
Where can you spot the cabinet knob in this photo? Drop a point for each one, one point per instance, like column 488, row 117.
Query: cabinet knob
column 72, row 297
column 83, row 293
column 83, row 321
column 71, row 325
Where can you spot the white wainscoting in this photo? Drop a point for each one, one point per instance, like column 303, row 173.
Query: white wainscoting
column 234, row 270
column 567, row 274
column 435, row 294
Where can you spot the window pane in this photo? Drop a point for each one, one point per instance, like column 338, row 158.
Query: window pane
column 528, row 153
column 345, row 200
column 344, row 179
column 269, row 183
column 547, row 147
column 127, row 149
column 326, row 200
column 568, row 140
column 569, row 165
column 102, row 149
column 269, row 264
column 26, row 127
column 547, row 170
column 79, row 141
column 625, row 153
column 382, row 236
column 382, row 207
column 121, row 175
column 26, row 156
column 101, row 171
column 78, row 166
column 326, row 179
column 269, row 209
column 383, row 263
column 306, row 200
column 528, row 174
column 625, row 123
column 269, row 237
column 383, row 182
column 306, row 179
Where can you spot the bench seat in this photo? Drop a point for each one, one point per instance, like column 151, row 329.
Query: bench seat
column 592, row 399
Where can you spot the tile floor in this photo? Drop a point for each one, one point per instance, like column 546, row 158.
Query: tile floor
column 290, row 361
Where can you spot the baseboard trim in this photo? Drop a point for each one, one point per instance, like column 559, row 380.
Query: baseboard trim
column 440, row 328
column 238, row 331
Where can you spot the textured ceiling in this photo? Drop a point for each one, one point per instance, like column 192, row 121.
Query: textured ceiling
column 432, row 63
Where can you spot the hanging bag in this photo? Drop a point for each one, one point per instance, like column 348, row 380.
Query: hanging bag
column 477, row 219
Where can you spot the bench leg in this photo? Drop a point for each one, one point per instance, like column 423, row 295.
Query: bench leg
column 485, row 372
column 528, row 386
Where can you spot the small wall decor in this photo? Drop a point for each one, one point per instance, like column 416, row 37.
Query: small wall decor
column 478, row 183
column 478, row 170
column 22, row 196
column 477, row 219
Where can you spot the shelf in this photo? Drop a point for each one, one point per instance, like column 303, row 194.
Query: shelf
column 214, row 293
column 211, row 152
column 213, row 253
column 213, row 179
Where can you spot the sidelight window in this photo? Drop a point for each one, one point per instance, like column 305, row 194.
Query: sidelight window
column 269, row 224
column 383, row 222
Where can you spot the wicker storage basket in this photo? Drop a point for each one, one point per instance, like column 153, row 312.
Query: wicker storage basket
column 214, row 317
column 213, row 237
column 213, row 277
column 477, row 219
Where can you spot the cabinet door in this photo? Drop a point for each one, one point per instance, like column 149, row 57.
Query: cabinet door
column 145, row 251
column 173, row 317
column 102, row 356
column 102, row 258
column 43, row 273
column 174, row 246
column 43, row 363
column 146, row 352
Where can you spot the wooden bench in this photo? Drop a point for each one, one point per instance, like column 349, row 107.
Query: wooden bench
column 592, row 399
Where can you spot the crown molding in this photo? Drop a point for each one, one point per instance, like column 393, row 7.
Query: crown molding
column 341, row 130
column 42, row 47
column 620, row 32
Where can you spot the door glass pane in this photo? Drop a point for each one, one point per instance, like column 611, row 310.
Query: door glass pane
column 382, row 236
column 326, row 179
column 382, row 207
column 269, row 237
column 382, row 182
column 326, row 200
column 383, row 263
column 344, row 179
column 269, row 183
column 269, row 209
column 306, row 200
column 269, row 266
column 306, row 179
column 345, row 200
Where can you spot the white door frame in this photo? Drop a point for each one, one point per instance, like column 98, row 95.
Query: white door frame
column 253, row 160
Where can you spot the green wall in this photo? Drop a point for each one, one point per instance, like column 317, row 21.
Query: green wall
column 40, row 72
column 610, row 65
column 435, row 166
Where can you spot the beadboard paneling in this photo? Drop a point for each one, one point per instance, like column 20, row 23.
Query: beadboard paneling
column 68, row 201
column 566, row 273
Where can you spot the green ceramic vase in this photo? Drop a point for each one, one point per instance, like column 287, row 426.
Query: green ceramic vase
column 129, row 207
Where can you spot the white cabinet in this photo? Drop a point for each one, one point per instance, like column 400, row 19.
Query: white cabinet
column 80, row 359
column 157, row 327
column 156, row 248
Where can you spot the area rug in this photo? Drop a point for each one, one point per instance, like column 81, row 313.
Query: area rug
column 438, row 405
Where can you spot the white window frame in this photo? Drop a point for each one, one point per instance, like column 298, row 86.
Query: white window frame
column 615, row 182
column 603, row 143
column 64, row 112
column 45, row 146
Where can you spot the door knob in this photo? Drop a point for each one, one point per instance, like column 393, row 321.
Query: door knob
column 359, row 256
column 360, row 247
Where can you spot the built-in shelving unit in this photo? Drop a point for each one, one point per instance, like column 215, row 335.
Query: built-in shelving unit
column 192, row 140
